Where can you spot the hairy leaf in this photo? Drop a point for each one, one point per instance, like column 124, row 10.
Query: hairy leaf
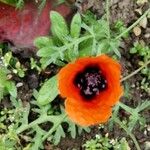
column 59, row 27
column 48, row 91
column 75, row 26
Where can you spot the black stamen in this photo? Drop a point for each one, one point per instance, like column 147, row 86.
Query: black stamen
column 90, row 82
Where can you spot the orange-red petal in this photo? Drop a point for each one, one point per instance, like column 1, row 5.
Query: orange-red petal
column 86, row 116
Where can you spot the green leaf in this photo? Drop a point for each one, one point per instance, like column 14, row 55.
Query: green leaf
column 119, row 27
column 7, row 58
column 3, row 76
column 124, row 144
column 114, row 45
column 133, row 50
column 72, row 129
column 81, row 129
column 58, row 134
column 45, row 52
column 103, row 47
column 37, row 139
column 48, row 91
column 41, row 42
column 132, row 121
column 59, row 27
column 11, row 88
column 143, row 106
column 101, row 29
column 85, row 48
column 75, row 26
column 9, row 2
column 45, row 62
column 1, row 93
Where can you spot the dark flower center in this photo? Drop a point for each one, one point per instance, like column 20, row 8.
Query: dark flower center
column 90, row 82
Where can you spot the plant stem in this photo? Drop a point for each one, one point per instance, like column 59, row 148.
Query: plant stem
column 40, row 120
column 126, row 108
column 133, row 25
column 135, row 72
column 69, row 45
column 128, row 132
column 54, row 127
column 107, row 16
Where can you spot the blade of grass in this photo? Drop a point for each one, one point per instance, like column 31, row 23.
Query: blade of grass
column 128, row 132
column 135, row 72
column 133, row 25
column 107, row 17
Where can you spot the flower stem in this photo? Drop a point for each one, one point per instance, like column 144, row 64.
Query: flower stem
column 135, row 72
column 128, row 132
column 107, row 16
column 133, row 25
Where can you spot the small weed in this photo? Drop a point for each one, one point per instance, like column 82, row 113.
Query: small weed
column 6, row 85
column 13, row 64
column 85, row 36
column 143, row 51
column 104, row 143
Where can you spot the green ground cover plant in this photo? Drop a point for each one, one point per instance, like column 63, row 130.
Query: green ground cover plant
column 86, row 35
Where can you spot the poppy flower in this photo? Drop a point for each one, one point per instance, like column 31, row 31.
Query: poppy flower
column 91, row 86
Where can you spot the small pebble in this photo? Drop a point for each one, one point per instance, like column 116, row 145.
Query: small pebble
column 147, row 35
column 9, row 76
column 143, row 22
column 145, row 132
column 133, row 85
column 137, row 31
column 148, row 128
column 147, row 145
column 19, row 84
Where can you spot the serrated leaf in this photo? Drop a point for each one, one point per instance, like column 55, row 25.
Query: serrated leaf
column 75, row 26
column 59, row 27
column 48, row 91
